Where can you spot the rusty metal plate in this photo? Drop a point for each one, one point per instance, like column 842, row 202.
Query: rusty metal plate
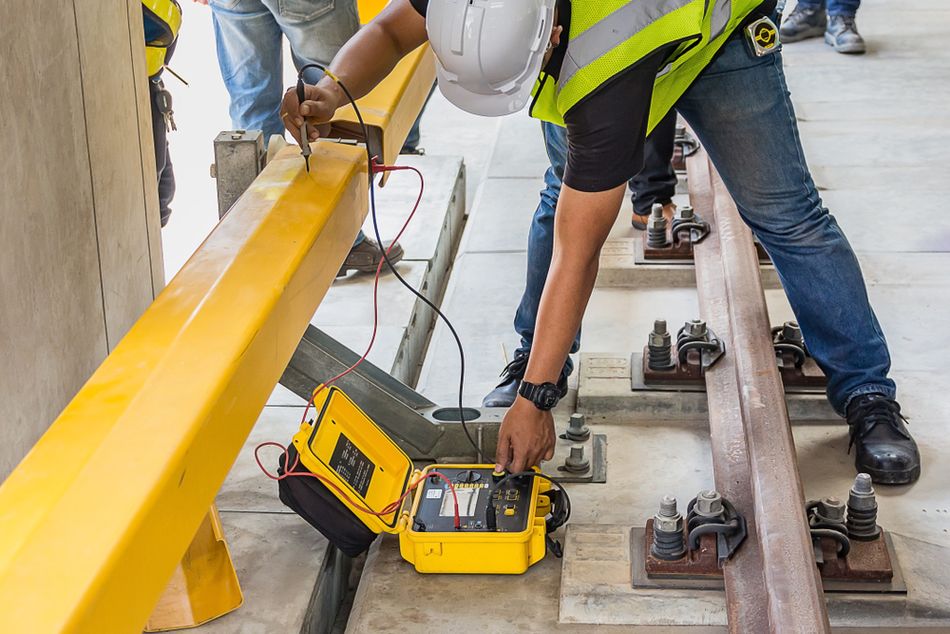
column 639, row 550
column 660, row 383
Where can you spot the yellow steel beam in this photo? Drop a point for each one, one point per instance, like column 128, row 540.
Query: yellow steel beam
column 96, row 517
column 393, row 106
column 368, row 9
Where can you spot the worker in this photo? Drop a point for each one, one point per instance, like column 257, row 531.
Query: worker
column 610, row 70
column 655, row 183
column 834, row 20
column 248, row 35
column 161, row 21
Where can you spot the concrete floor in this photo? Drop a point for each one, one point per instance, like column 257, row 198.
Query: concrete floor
column 876, row 130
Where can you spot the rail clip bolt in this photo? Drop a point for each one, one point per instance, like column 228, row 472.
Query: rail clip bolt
column 708, row 504
column 684, row 214
column 791, row 332
column 660, row 347
column 862, row 510
column 831, row 510
column 577, row 429
column 577, row 462
column 696, row 328
column 669, row 541
column 656, row 228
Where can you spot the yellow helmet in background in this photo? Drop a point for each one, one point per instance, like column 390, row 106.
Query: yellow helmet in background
column 162, row 19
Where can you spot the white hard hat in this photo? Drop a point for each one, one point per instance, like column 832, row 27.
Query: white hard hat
column 489, row 51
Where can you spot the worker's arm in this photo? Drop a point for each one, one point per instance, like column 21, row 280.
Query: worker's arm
column 364, row 61
column 581, row 225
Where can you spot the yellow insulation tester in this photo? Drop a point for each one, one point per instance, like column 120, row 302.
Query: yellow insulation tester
column 459, row 518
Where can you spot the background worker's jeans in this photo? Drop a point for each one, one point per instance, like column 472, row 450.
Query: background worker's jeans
column 248, row 36
column 740, row 109
column 655, row 183
column 834, row 7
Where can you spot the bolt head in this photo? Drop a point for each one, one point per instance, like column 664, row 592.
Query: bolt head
column 791, row 332
column 708, row 503
column 576, row 421
column 685, row 213
column 832, row 509
column 659, row 327
column 696, row 328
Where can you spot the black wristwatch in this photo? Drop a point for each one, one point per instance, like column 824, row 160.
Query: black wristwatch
column 544, row 396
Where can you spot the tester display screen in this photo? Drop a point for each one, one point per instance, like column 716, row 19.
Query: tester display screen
column 475, row 489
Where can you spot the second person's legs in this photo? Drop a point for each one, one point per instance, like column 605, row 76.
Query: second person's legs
column 741, row 110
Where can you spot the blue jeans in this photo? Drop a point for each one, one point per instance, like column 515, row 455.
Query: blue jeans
column 755, row 145
column 248, row 36
column 655, row 183
column 541, row 243
column 834, row 7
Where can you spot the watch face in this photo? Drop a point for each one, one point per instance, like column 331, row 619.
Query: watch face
column 548, row 398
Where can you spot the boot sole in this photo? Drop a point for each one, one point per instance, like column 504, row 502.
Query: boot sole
column 853, row 49
column 891, row 477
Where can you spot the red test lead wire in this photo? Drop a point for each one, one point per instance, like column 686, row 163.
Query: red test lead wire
column 289, row 471
column 377, row 169
column 389, row 509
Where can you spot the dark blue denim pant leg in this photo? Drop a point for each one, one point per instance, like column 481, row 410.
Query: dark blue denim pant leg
column 741, row 110
column 541, row 242
column 656, row 182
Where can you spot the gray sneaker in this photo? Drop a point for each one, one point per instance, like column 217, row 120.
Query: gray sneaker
column 843, row 36
column 802, row 23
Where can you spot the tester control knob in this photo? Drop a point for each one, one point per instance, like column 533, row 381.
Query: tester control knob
column 468, row 476
column 497, row 475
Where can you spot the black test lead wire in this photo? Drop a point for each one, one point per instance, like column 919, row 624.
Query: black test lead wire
column 372, row 167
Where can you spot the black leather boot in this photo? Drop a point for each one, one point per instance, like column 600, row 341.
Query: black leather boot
column 883, row 446
column 506, row 392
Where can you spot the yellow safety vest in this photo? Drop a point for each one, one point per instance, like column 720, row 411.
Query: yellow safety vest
column 609, row 36
column 162, row 20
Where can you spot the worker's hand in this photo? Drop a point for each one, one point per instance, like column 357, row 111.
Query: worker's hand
column 318, row 107
column 526, row 437
column 204, row 2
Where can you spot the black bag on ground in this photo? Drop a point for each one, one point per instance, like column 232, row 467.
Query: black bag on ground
column 312, row 500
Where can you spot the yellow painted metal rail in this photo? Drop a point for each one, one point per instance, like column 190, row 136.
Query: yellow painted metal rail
column 97, row 516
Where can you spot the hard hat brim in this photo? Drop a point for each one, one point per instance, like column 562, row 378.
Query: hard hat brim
column 490, row 105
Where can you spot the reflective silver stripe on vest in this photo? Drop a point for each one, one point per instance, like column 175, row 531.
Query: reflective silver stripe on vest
column 614, row 30
column 722, row 11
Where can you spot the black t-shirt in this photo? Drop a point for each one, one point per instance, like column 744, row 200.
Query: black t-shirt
column 606, row 129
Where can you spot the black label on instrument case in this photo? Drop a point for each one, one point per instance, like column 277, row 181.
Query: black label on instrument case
column 352, row 465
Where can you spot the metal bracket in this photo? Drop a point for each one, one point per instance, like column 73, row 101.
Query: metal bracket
column 697, row 349
column 239, row 157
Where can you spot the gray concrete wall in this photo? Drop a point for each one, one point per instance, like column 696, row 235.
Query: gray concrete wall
column 80, row 250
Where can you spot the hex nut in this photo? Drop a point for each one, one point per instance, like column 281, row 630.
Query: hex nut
column 708, row 504
column 696, row 328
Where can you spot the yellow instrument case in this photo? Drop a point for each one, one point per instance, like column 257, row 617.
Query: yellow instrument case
column 345, row 446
